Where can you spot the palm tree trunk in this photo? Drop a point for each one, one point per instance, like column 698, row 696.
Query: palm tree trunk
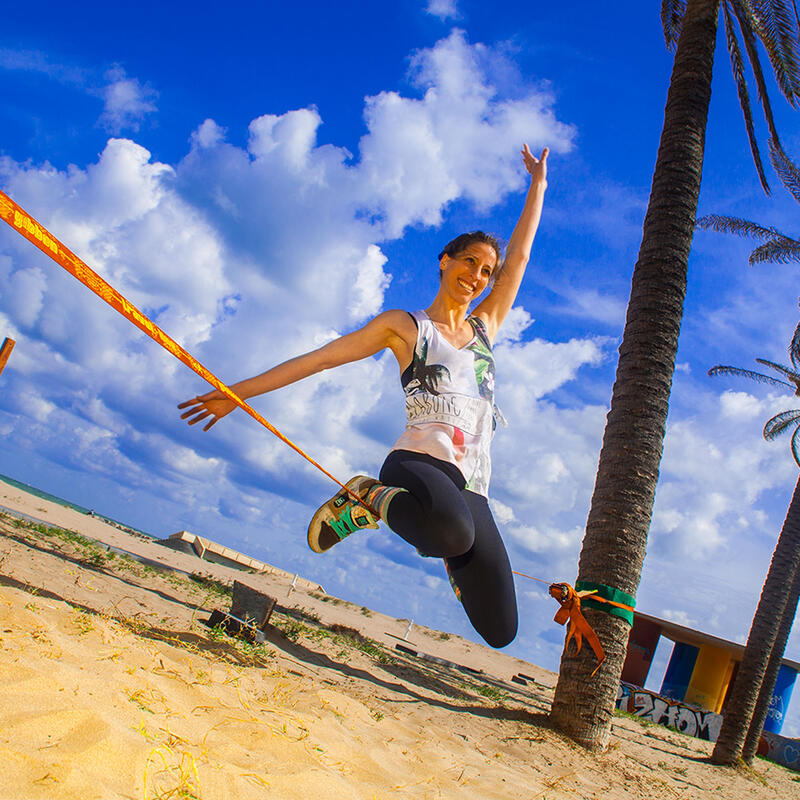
column 771, row 675
column 619, row 518
column 761, row 641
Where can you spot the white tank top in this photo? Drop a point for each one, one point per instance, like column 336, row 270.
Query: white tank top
column 450, row 401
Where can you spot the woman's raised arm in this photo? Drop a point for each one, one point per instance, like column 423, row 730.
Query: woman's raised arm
column 393, row 329
column 494, row 309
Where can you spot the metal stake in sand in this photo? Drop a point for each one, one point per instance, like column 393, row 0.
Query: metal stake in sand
column 5, row 352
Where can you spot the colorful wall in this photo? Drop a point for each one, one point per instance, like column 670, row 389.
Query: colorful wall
column 698, row 675
column 672, row 713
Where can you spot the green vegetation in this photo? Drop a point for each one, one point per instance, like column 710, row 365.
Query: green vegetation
column 345, row 638
column 96, row 555
column 645, row 723
column 484, row 690
column 220, row 589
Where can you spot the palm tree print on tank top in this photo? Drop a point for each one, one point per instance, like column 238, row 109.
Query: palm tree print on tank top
column 450, row 401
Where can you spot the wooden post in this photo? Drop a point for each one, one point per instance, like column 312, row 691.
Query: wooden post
column 5, row 351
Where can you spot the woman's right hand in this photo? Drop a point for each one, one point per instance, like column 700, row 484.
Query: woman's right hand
column 213, row 404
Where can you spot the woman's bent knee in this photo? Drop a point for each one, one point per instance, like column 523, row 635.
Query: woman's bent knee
column 500, row 637
column 448, row 536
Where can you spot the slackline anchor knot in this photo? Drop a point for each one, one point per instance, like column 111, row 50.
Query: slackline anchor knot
column 570, row 601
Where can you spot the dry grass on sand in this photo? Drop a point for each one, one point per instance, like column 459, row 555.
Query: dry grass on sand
column 114, row 688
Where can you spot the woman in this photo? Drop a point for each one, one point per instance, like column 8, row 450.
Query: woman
column 432, row 488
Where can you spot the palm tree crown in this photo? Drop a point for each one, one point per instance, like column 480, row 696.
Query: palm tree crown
column 775, row 24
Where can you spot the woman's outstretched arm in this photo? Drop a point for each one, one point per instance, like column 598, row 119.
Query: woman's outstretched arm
column 393, row 329
column 495, row 307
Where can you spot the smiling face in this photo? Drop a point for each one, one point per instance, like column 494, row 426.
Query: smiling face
column 466, row 274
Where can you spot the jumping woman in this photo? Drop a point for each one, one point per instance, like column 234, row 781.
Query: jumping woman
column 432, row 488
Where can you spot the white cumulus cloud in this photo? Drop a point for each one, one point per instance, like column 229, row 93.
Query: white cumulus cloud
column 443, row 9
column 126, row 102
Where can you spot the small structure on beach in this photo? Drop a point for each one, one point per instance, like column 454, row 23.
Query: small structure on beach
column 194, row 545
column 701, row 669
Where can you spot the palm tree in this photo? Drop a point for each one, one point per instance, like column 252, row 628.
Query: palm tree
column 426, row 377
column 775, row 247
column 771, row 674
column 619, row 518
column 775, row 602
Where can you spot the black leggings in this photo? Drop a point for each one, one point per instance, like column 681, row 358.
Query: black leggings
column 441, row 518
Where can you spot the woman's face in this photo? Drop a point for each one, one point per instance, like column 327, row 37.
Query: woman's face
column 467, row 274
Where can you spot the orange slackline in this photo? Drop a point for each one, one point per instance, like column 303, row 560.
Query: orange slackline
column 595, row 597
column 27, row 226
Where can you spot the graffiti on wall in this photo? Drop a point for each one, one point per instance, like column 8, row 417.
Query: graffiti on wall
column 775, row 711
column 663, row 711
column 781, row 750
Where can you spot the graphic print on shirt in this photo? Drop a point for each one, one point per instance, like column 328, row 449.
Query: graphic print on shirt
column 425, row 377
column 449, row 401
column 484, row 362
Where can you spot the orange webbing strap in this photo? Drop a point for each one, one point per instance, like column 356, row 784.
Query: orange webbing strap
column 27, row 226
column 570, row 602
column 597, row 599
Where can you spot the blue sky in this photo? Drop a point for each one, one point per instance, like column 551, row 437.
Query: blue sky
column 260, row 178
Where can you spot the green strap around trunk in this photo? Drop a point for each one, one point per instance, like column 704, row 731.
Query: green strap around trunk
column 608, row 593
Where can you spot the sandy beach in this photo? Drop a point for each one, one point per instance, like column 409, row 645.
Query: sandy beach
column 116, row 688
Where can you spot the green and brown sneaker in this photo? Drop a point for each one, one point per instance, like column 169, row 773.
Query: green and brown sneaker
column 341, row 516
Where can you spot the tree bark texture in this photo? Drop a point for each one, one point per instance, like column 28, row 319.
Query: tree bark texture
column 619, row 517
column 761, row 641
column 771, row 675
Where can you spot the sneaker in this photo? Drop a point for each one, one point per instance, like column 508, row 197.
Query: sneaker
column 341, row 516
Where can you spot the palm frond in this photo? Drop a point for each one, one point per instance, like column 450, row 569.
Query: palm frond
column 737, row 66
column 777, row 251
column 780, row 423
column 743, row 6
column 751, row 46
column 672, row 12
column 795, row 444
column 777, row 32
column 721, row 369
column 735, row 225
column 785, row 168
column 794, row 348
column 789, row 373
column 778, row 247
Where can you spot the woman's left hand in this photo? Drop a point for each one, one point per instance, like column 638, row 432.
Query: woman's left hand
column 536, row 166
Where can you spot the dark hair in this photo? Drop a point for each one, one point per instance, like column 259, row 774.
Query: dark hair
column 461, row 243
